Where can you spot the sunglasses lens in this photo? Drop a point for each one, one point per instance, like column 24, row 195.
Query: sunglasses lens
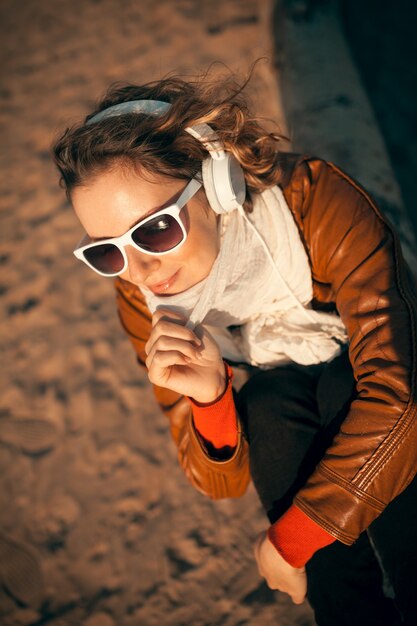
column 106, row 258
column 158, row 235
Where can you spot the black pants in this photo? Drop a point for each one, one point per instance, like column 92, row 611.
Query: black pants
column 290, row 415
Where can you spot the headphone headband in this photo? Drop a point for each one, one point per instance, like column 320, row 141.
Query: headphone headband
column 158, row 107
column 149, row 107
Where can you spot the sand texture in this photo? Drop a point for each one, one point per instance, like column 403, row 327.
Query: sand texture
column 99, row 527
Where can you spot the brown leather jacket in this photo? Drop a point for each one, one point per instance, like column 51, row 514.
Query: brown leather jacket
column 357, row 266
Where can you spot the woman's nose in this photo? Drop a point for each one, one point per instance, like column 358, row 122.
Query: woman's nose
column 140, row 265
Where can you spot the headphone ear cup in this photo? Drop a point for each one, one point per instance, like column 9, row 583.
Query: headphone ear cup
column 209, row 186
column 224, row 183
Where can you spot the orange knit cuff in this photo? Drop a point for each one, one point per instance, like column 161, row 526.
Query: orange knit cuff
column 296, row 537
column 216, row 422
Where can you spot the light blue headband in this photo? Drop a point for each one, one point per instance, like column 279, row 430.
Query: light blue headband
column 157, row 107
column 150, row 107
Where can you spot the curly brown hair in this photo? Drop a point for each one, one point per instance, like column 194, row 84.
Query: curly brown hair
column 159, row 143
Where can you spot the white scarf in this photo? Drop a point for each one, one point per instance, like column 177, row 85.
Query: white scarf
column 268, row 309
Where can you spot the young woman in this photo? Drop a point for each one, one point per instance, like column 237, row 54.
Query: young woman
column 232, row 256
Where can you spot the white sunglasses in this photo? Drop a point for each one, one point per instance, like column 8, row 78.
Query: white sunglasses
column 160, row 233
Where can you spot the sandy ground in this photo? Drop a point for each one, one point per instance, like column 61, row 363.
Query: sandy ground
column 98, row 525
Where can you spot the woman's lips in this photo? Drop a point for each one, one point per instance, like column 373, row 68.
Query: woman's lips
column 162, row 287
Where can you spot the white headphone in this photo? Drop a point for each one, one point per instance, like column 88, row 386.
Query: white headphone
column 223, row 178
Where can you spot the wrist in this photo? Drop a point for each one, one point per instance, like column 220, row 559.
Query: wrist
column 214, row 394
column 297, row 537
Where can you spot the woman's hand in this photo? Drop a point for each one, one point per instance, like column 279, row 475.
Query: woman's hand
column 277, row 572
column 184, row 360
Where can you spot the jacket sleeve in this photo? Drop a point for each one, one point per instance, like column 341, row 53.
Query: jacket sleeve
column 356, row 258
column 215, row 478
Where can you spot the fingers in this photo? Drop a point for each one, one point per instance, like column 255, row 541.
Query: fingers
column 298, row 592
column 294, row 589
column 298, row 588
column 277, row 572
column 170, row 327
column 170, row 344
column 168, row 314
column 297, row 599
column 256, row 548
column 166, row 344
column 159, row 371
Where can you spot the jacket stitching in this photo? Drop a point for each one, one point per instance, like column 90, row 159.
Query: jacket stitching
column 372, row 468
column 335, row 532
column 353, row 489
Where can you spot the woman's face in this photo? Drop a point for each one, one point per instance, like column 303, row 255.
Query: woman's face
column 115, row 200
